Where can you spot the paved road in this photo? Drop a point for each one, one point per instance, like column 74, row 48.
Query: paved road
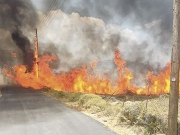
column 28, row 112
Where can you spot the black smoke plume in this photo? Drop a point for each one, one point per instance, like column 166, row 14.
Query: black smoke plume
column 16, row 17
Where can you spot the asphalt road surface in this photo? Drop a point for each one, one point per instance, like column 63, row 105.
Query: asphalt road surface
column 28, row 112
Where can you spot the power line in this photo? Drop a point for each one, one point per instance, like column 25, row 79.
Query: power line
column 51, row 15
column 52, row 7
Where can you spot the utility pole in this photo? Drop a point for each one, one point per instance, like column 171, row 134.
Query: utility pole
column 174, row 79
column 36, row 55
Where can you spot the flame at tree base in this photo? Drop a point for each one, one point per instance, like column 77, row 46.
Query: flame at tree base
column 79, row 80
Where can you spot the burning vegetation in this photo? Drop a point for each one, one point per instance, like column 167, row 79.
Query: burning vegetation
column 79, row 80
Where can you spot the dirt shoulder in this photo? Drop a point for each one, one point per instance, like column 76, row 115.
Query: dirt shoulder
column 123, row 115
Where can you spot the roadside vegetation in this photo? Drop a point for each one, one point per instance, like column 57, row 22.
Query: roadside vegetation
column 125, row 115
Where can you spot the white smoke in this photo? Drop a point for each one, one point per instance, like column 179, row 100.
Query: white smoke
column 77, row 41
column 80, row 40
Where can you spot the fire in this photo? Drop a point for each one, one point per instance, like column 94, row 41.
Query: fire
column 80, row 80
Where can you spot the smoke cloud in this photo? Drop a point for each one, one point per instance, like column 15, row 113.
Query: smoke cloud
column 88, row 30
column 150, row 20
column 17, row 17
column 78, row 41
column 146, row 29
column 132, row 12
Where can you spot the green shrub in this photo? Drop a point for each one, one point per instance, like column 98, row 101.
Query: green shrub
column 92, row 102
column 154, row 124
column 112, row 110
column 86, row 97
column 132, row 111
column 73, row 97
column 65, row 96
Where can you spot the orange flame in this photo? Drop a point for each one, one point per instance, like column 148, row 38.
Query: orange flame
column 79, row 80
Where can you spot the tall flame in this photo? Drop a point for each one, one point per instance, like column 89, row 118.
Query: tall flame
column 79, row 80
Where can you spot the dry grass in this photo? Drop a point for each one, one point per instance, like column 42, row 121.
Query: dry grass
column 124, row 115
